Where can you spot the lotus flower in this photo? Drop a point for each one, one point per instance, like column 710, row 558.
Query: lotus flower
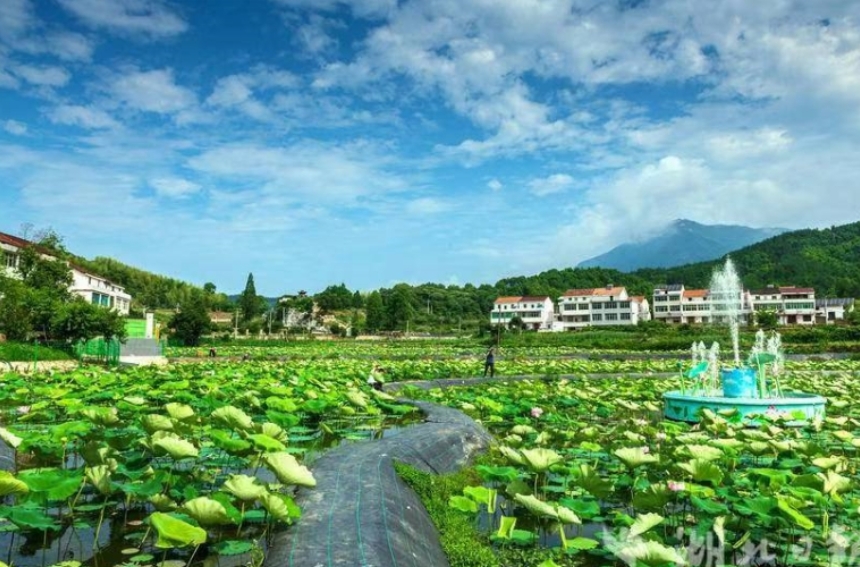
column 537, row 412
column 676, row 486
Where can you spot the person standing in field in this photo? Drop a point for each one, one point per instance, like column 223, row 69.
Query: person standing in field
column 375, row 380
column 490, row 362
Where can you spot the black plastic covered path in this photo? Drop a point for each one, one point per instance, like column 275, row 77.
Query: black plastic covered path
column 361, row 513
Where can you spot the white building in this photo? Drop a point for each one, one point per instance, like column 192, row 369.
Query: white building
column 602, row 306
column 536, row 312
column 91, row 287
column 792, row 305
column 832, row 309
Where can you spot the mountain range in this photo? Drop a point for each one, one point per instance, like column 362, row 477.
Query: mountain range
column 681, row 242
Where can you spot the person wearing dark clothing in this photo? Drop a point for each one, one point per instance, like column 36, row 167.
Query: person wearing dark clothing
column 212, row 353
column 490, row 363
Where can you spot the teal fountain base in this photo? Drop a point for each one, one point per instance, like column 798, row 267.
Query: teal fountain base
column 798, row 408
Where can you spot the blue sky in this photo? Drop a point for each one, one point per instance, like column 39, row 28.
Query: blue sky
column 314, row 142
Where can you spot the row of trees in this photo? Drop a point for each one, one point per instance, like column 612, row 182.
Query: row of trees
column 40, row 305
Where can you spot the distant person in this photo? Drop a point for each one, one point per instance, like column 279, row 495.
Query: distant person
column 490, row 362
column 246, row 356
column 374, row 380
column 212, row 353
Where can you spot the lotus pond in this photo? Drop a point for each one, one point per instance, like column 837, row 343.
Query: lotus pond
column 591, row 470
column 189, row 464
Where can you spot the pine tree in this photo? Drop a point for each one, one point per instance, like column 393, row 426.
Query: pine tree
column 248, row 301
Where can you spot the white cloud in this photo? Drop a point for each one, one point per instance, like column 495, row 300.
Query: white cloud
column 16, row 16
column 362, row 8
column 152, row 91
column 43, row 76
column 555, row 183
column 307, row 172
column 15, row 128
column 174, row 187
column 495, row 184
column 69, row 46
column 148, row 17
column 83, row 116
column 426, row 206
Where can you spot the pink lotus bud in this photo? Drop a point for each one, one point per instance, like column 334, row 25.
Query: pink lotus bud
column 537, row 412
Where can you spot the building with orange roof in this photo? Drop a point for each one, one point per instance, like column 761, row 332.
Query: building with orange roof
column 536, row 312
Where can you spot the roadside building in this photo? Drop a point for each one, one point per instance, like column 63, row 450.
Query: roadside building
column 536, row 312
column 829, row 310
column 601, row 306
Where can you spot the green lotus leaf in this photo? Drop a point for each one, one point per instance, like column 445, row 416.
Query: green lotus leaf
column 232, row 547
column 591, row 481
column 11, row 485
column 233, row 417
column 357, row 398
column 756, row 435
column 704, row 452
column 135, row 400
column 512, row 454
column 281, row 507
column 176, row 447
column 728, row 443
column 498, row 474
column 522, row 430
column 265, row 443
column 162, row 502
column 566, row 515
column 99, row 476
column 288, row 470
column 173, row 532
column 179, row 412
column 834, row 483
column 760, row 506
column 794, row 514
column 635, row 457
column 28, row 516
column 703, row 471
column 585, row 508
column 482, row 495
column 506, row 526
column 775, row 478
column 10, row 438
column 655, row 497
column 103, row 416
column 581, row 543
column 719, row 528
column 827, row 462
column 225, row 440
column 156, row 422
column 245, row 487
column 643, row 523
column 651, row 553
column 54, row 484
column 548, row 563
column 537, row 507
column 709, row 506
column 463, row 504
column 274, row 431
column 844, row 436
column 540, row 459
column 207, row 512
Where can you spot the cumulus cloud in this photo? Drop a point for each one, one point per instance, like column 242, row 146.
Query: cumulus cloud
column 174, row 187
column 152, row 91
column 494, row 184
column 147, row 17
column 15, row 128
column 426, row 206
column 555, row 183
column 82, row 116
column 43, row 75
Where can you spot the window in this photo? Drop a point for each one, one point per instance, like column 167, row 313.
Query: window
column 11, row 260
column 597, row 317
column 660, row 298
column 611, row 305
column 624, row 305
column 625, row 316
column 583, row 307
column 597, row 305
column 661, row 308
column 570, row 307
column 612, row 316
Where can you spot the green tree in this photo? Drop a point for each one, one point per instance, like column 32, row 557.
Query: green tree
column 15, row 314
column 249, row 302
column 192, row 321
column 400, row 310
column 375, row 312
column 767, row 320
column 334, row 298
column 79, row 320
column 357, row 300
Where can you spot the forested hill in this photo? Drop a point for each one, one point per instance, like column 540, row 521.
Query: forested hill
column 826, row 259
column 148, row 290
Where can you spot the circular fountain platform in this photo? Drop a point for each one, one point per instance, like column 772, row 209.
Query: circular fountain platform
column 798, row 408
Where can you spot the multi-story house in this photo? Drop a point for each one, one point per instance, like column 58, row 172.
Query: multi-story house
column 537, row 312
column 677, row 304
column 89, row 286
column 602, row 306
column 831, row 309
column 792, row 305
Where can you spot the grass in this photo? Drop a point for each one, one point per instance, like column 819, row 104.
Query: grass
column 20, row 352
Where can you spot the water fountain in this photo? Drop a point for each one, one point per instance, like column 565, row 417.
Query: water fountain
column 744, row 391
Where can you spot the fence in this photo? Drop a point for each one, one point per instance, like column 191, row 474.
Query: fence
column 98, row 350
